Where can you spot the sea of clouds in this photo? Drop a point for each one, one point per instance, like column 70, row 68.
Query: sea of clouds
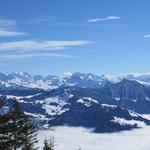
column 73, row 138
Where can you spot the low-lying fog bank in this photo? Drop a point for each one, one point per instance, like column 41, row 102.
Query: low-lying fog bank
column 70, row 138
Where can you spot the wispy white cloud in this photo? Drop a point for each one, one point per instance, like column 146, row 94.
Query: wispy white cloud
column 93, row 20
column 6, row 26
column 12, row 57
column 147, row 36
column 7, row 22
column 4, row 32
column 9, row 57
column 20, row 50
column 30, row 45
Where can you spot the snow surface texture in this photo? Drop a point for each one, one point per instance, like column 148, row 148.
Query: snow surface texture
column 70, row 138
column 123, row 121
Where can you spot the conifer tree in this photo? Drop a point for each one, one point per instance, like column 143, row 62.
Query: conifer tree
column 1, row 103
column 16, row 130
column 23, row 131
column 4, row 133
column 49, row 145
column 16, row 126
column 29, row 135
column 5, row 130
column 46, row 145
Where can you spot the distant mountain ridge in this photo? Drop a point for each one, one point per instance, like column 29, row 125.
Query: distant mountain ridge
column 112, row 103
column 88, row 80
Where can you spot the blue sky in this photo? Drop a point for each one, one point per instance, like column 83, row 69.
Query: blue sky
column 57, row 36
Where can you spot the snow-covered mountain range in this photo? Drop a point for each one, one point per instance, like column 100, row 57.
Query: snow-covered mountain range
column 104, row 103
column 76, row 79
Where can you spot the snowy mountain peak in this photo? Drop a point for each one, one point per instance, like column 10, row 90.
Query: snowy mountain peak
column 84, row 80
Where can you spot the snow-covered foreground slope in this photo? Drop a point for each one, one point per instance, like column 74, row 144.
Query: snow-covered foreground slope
column 69, row 138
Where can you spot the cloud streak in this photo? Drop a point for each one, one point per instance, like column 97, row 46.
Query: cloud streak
column 7, row 22
column 20, row 50
column 6, row 25
column 12, row 57
column 30, row 45
column 147, row 36
column 94, row 20
column 4, row 32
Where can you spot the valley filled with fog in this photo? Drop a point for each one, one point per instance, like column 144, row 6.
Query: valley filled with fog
column 73, row 138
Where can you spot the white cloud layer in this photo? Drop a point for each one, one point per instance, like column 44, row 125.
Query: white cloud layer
column 4, row 32
column 69, row 138
column 30, row 45
column 93, row 20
